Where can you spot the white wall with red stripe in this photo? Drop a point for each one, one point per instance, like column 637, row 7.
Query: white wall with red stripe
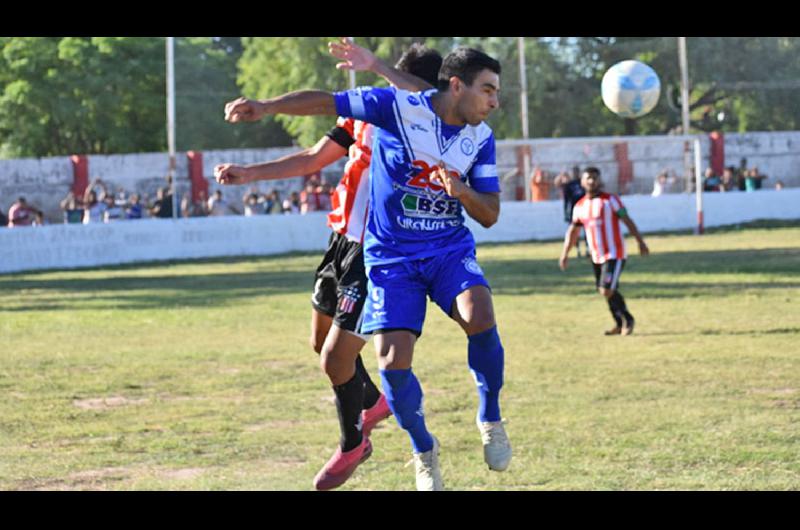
column 62, row 246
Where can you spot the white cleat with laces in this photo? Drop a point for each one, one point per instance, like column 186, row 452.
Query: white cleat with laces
column 496, row 447
column 429, row 476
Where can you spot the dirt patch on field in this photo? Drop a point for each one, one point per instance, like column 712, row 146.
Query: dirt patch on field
column 92, row 479
column 276, row 424
column 182, row 474
column 106, row 402
column 778, row 391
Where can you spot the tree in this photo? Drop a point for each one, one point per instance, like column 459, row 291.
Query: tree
column 271, row 66
column 205, row 79
column 81, row 95
column 98, row 95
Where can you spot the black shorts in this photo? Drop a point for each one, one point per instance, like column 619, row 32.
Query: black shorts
column 340, row 283
column 607, row 275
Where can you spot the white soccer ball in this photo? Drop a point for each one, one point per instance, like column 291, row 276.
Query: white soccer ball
column 630, row 89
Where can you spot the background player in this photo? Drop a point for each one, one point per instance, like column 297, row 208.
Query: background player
column 599, row 213
column 340, row 280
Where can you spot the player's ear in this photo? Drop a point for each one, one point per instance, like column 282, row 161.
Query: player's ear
column 455, row 85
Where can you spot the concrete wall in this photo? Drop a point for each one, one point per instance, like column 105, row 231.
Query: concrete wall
column 776, row 154
column 44, row 182
column 69, row 246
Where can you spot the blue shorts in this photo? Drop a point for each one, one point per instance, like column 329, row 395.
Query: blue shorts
column 397, row 292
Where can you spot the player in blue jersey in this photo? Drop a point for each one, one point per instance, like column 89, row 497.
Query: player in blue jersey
column 433, row 156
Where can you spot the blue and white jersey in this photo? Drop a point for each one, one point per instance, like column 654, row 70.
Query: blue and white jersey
column 410, row 217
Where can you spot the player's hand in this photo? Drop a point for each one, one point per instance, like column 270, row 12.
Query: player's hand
column 354, row 57
column 562, row 262
column 243, row 109
column 449, row 180
column 230, row 174
column 643, row 249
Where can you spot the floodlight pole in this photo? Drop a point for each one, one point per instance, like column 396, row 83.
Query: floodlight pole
column 685, row 123
column 698, row 187
column 523, row 100
column 171, row 121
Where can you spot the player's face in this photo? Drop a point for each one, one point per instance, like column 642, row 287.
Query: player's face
column 478, row 100
column 590, row 182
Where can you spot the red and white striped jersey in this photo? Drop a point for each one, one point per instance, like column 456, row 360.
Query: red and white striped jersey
column 599, row 217
column 351, row 197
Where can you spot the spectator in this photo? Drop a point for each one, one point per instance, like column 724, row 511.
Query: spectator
column 3, row 220
column 217, row 205
column 162, row 207
column 186, row 205
column 663, row 183
column 309, row 198
column 21, row 214
column 711, row 181
column 38, row 218
column 253, row 204
column 728, row 182
column 73, row 209
column 93, row 209
column 778, row 185
column 272, row 202
column 754, row 180
column 659, row 184
column 571, row 192
column 292, row 203
column 540, row 185
column 112, row 212
column 196, row 208
column 325, row 197
column 741, row 175
column 134, row 210
column 121, row 198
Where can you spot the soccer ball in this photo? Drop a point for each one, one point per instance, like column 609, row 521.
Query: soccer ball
column 630, row 89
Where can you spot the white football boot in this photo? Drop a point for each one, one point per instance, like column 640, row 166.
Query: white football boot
column 496, row 447
column 429, row 476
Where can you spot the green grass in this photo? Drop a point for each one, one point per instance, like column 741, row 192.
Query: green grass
column 198, row 376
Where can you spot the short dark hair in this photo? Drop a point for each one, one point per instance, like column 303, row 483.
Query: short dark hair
column 592, row 169
column 466, row 64
column 422, row 62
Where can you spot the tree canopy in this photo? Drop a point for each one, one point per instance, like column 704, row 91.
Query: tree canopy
column 86, row 95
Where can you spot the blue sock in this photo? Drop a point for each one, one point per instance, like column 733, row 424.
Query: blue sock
column 485, row 359
column 404, row 396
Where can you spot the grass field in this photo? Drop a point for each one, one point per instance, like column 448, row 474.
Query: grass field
column 198, row 376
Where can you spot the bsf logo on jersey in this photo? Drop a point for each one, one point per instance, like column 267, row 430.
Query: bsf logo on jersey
column 416, row 206
column 467, row 147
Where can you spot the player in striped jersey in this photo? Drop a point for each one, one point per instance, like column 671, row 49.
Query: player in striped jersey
column 599, row 214
column 340, row 281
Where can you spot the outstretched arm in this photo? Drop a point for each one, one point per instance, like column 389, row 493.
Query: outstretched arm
column 359, row 59
column 305, row 162
column 298, row 103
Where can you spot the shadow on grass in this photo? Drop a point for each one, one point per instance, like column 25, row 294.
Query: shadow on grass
column 152, row 292
column 760, row 269
column 776, row 331
column 780, row 266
